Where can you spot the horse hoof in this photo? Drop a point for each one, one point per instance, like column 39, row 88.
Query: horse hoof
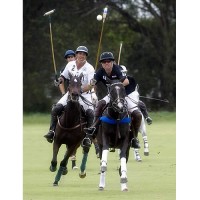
column 124, row 187
column 125, row 190
column 55, row 183
column 82, row 175
column 65, row 171
column 52, row 169
column 138, row 159
column 75, row 168
column 146, row 153
column 98, row 156
column 101, row 188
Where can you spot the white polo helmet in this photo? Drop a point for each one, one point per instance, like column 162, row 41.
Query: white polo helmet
column 82, row 49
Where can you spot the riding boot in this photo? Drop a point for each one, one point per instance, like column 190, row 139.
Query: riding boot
column 136, row 122
column 56, row 111
column 93, row 129
column 89, row 117
column 143, row 109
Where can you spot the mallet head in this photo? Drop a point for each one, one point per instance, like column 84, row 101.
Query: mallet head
column 49, row 13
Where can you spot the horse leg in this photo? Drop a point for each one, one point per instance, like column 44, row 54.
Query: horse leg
column 73, row 159
column 96, row 146
column 136, row 122
column 143, row 131
column 104, row 160
column 137, row 155
column 82, row 173
column 53, row 165
column 123, row 178
column 105, row 151
column 102, row 181
column 63, row 166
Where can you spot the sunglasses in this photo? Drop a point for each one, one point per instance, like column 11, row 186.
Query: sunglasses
column 106, row 61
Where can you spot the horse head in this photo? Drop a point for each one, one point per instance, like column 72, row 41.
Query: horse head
column 74, row 87
column 117, row 96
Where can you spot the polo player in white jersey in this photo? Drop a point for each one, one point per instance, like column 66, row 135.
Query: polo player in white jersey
column 80, row 65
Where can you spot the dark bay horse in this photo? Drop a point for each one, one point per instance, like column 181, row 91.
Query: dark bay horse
column 69, row 130
column 114, row 132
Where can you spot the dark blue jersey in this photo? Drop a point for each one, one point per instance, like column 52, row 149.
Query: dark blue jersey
column 100, row 75
column 131, row 86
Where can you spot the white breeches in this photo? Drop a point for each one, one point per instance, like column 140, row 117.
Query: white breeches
column 86, row 106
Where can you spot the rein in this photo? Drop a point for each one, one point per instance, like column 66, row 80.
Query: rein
column 72, row 128
column 86, row 101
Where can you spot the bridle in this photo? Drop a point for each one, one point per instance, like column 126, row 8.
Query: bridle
column 119, row 104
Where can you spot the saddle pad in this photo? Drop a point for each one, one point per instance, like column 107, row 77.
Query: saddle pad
column 125, row 120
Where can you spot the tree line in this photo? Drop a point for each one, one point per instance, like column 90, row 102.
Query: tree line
column 147, row 29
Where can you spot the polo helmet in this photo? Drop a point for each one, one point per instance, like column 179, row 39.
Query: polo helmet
column 68, row 53
column 106, row 56
column 82, row 49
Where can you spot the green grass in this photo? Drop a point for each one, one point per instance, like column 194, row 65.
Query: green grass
column 154, row 178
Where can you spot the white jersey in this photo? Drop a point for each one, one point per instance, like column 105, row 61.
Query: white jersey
column 87, row 70
column 88, row 73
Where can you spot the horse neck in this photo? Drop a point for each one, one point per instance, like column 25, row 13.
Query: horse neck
column 72, row 114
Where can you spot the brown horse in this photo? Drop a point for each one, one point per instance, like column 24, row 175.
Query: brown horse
column 69, row 130
column 114, row 132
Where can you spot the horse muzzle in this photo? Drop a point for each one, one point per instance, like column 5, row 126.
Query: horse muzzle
column 74, row 97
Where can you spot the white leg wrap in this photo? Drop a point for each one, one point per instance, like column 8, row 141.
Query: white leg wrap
column 104, row 161
column 123, row 165
column 102, row 181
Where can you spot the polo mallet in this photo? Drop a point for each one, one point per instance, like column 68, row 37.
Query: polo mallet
column 120, row 50
column 105, row 10
column 163, row 100
column 51, row 39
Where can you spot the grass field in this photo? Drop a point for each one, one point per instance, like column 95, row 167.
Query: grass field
column 154, row 178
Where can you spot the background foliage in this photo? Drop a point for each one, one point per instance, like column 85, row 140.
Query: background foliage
column 147, row 29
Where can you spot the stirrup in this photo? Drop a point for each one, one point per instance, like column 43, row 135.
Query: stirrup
column 86, row 142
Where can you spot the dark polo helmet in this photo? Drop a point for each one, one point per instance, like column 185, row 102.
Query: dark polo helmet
column 106, row 56
column 68, row 53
